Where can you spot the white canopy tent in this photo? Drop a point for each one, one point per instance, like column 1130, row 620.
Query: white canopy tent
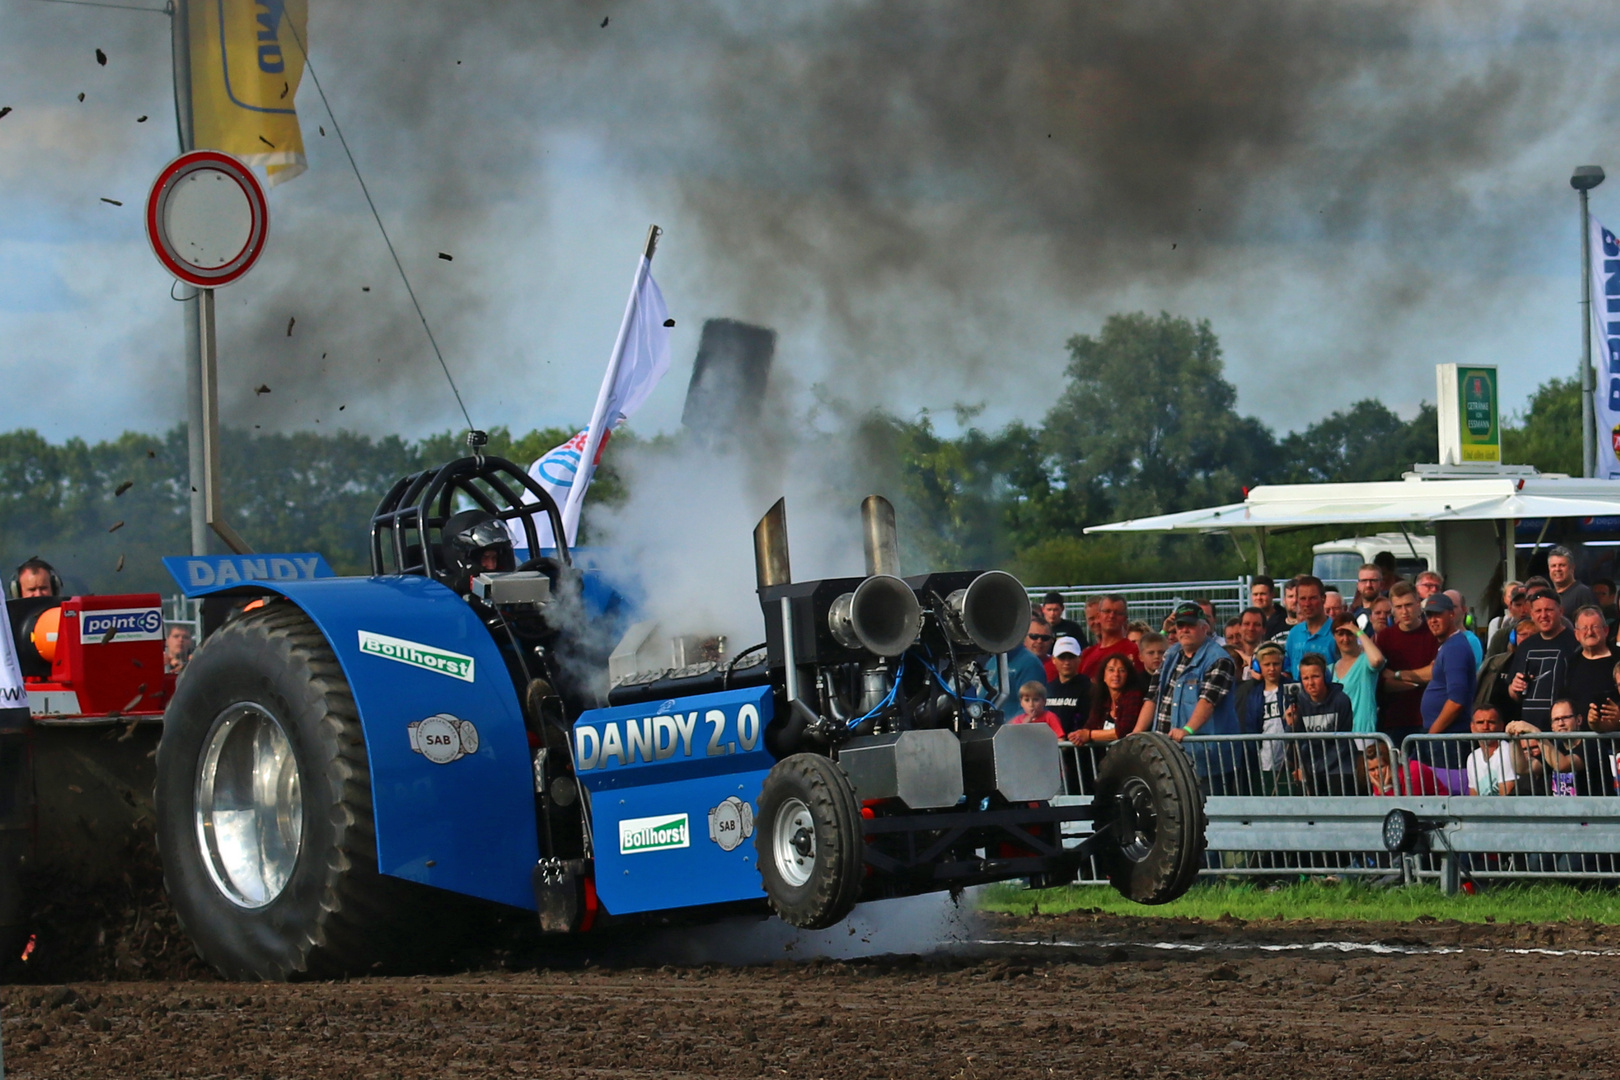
column 1416, row 499
column 1472, row 511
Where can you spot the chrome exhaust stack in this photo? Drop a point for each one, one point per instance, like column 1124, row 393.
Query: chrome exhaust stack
column 992, row 613
column 771, row 563
column 881, row 540
column 881, row 615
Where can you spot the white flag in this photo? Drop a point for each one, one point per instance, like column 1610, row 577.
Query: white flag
column 1606, row 357
column 13, row 695
column 639, row 359
column 555, row 470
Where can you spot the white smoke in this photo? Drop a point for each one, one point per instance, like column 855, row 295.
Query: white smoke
column 686, row 533
column 913, row 924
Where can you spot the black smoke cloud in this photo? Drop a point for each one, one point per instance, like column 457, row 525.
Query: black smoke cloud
column 914, row 192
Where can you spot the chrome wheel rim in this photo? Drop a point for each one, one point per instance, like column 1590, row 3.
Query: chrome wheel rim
column 249, row 807
column 1137, row 822
column 793, row 842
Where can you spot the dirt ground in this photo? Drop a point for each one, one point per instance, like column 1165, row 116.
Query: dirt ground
column 1000, row 997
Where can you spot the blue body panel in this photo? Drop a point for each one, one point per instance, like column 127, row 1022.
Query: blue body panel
column 669, row 769
column 413, row 650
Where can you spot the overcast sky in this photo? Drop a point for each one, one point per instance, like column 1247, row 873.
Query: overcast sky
column 924, row 199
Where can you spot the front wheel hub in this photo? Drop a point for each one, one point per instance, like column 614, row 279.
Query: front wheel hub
column 795, row 842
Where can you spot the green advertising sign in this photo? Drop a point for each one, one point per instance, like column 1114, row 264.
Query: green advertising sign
column 1479, row 431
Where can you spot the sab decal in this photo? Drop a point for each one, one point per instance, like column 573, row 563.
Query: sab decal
column 444, row 738
column 664, row 833
column 426, row 657
column 731, row 823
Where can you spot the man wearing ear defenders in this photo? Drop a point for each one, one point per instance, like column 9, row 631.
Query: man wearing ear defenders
column 36, row 577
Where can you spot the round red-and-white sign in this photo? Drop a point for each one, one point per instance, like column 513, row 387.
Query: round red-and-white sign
column 206, row 218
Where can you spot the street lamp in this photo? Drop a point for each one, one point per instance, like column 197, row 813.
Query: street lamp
column 1586, row 178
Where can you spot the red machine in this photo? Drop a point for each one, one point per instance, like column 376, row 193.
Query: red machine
column 93, row 659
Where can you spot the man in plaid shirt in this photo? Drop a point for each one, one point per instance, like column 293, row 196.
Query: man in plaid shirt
column 1192, row 695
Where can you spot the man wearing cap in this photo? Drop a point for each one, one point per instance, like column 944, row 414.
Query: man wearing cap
column 1192, row 695
column 1450, row 694
column 1056, row 612
column 1068, row 695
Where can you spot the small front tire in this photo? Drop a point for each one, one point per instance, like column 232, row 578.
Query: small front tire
column 1148, row 795
column 809, row 843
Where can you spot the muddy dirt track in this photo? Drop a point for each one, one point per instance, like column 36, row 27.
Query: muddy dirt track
column 1037, row 997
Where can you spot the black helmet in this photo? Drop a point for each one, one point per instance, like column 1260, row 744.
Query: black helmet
column 468, row 537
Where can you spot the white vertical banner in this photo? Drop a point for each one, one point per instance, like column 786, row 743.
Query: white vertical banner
column 1606, row 350
column 639, row 359
column 13, row 695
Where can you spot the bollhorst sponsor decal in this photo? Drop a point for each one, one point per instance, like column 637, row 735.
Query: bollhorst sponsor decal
column 663, row 833
column 426, row 657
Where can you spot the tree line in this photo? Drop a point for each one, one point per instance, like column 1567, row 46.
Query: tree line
column 1146, row 423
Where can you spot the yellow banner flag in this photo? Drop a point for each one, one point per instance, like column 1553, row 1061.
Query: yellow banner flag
column 247, row 57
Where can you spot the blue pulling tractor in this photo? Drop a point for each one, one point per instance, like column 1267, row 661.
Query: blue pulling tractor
column 344, row 757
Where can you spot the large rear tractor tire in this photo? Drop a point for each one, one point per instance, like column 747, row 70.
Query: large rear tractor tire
column 812, row 856
column 1148, row 794
column 264, row 810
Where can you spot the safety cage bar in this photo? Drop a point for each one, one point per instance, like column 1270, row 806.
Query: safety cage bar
column 407, row 521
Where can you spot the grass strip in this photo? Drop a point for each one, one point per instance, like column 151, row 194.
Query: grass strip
column 1324, row 901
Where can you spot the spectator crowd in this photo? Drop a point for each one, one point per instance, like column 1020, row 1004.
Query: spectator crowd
column 1395, row 657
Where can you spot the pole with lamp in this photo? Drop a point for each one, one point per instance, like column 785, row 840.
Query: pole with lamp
column 1585, row 178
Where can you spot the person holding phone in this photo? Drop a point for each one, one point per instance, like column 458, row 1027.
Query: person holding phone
column 1539, row 673
column 1260, row 703
column 1360, row 661
column 1327, row 766
column 1591, row 671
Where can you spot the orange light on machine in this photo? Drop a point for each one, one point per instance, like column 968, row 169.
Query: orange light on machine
column 46, row 628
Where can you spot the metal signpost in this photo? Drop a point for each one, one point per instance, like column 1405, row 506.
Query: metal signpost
column 206, row 218
column 1584, row 179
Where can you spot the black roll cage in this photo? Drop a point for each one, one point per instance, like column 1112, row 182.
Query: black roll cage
column 408, row 524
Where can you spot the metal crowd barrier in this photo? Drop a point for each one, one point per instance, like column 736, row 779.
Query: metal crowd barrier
column 1284, row 805
column 184, row 611
column 1153, row 601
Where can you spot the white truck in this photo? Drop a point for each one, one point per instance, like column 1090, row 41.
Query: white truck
column 1337, row 561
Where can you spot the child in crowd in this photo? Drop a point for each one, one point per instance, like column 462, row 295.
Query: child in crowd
column 1260, row 704
column 1152, row 648
column 1136, row 629
column 1032, row 696
column 1382, row 779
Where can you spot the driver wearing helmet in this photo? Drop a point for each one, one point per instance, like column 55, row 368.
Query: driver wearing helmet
column 475, row 542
